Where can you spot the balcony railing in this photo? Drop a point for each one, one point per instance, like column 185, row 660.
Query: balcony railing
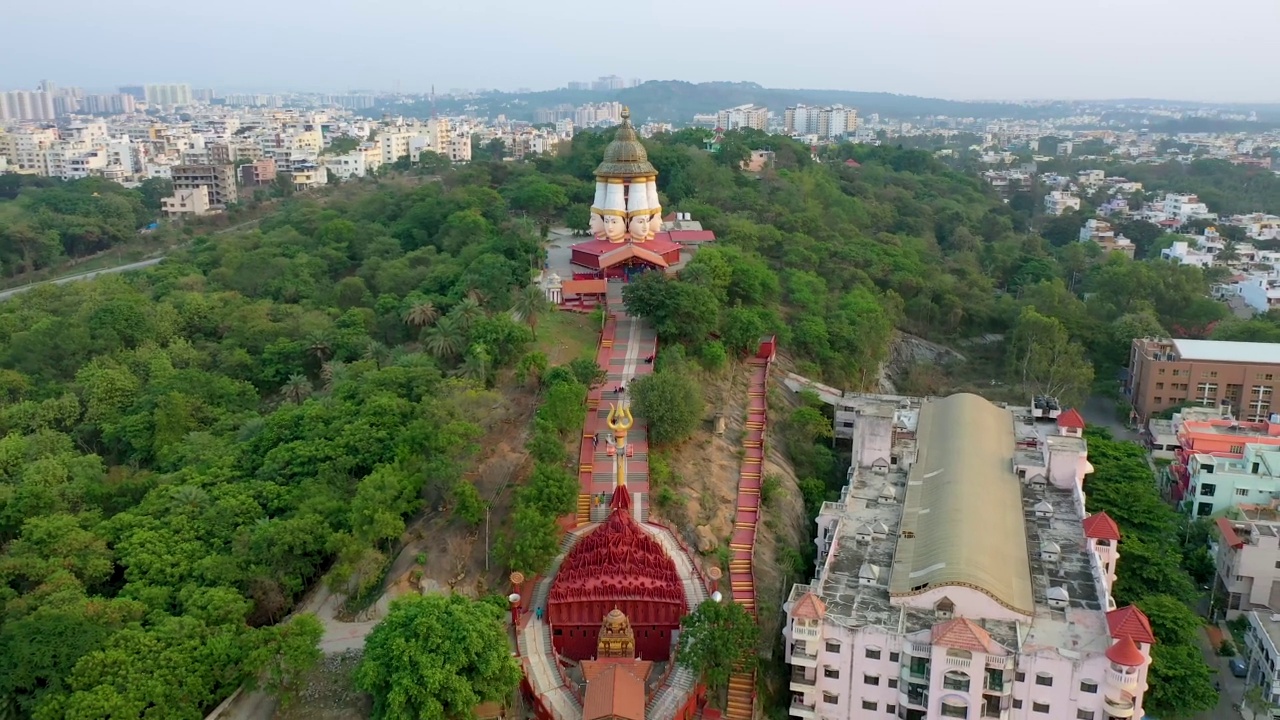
column 801, row 654
column 797, row 676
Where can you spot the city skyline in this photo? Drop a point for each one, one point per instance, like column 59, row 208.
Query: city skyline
column 986, row 49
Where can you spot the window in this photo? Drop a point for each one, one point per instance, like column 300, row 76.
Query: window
column 1242, row 492
column 891, row 709
column 1204, row 509
column 1159, row 386
column 893, row 657
column 1213, row 373
column 1044, row 679
column 1020, row 677
column 1237, row 449
column 873, row 653
column 869, row 705
column 1040, row 707
column 1017, row 704
column 1084, row 715
column 1157, row 400
column 1207, row 469
column 830, row 698
column 893, row 682
column 956, row 681
column 1161, row 371
column 830, row 672
column 1176, row 373
column 1208, row 489
column 870, row 679
column 1088, row 686
column 955, row 711
column 833, row 647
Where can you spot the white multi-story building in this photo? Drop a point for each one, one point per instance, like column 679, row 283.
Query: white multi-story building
column 1184, row 207
column 460, row 148
column 827, row 123
column 959, row 576
column 26, row 105
column 25, row 147
column 743, row 116
column 171, row 95
column 1057, row 202
column 192, row 202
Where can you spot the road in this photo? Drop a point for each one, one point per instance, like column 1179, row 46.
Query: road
column 82, row 276
column 1232, row 691
column 91, row 274
column 1099, row 410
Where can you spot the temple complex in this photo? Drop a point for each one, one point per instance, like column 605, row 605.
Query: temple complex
column 627, row 225
column 596, row 633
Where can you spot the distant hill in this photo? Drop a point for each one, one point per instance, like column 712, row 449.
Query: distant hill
column 676, row 101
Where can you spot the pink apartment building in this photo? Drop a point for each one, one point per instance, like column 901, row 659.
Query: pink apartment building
column 958, row 576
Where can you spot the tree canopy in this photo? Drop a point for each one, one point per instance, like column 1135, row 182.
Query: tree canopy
column 716, row 639
column 436, row 657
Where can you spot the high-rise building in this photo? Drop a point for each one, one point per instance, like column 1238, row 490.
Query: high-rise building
column 27, row 105
column 172, row 95
column 828, row 123
column 137, row 91
column 959, row 575
column 743, row 116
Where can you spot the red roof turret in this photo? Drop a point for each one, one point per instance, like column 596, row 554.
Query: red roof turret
column 1071, row 419
column 1125, row 652
column 1130, row 622
column 1100, row 526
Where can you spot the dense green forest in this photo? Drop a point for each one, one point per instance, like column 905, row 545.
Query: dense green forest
column 188, row 448
column 43, row 220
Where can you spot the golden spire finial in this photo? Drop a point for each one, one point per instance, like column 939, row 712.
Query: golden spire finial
column 626, row 112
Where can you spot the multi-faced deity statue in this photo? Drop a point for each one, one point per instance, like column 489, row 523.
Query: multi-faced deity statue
column 615, row 228
column 597, row 225
column 638, row 227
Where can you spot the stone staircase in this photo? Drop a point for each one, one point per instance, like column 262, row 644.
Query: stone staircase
column 742, row 693
column 694, row 590
column 584, row 513
column 673, row 694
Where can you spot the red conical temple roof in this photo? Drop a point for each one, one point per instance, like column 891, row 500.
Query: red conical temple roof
column 619, row 560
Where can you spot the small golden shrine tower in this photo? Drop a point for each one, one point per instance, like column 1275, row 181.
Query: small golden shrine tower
column 617, row 639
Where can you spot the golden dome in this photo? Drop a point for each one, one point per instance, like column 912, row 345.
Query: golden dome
column 625, row 157
column 616, row 620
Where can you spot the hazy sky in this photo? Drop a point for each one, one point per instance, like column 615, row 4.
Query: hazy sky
column 969, row 49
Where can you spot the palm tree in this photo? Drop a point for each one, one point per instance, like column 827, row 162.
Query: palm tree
column 1229, row 253
column 476, row 365
column 530, row 303
column 332, row 373
column 445, row 339
column 468, row 311
column 318, row 345
column 421, row 314
column 189, row 497
column 297, row 389
column 377, row 352
column 478, row 295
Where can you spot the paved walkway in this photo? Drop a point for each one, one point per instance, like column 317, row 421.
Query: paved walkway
column 1232, row 692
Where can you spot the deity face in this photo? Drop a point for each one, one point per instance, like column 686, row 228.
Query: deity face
column 655, row 224
column 614, row 228
column 597, row 225
column 639, row 227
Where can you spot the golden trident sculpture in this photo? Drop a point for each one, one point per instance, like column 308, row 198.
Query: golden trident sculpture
column 620, row 421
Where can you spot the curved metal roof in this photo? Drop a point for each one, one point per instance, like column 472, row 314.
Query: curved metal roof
column 625, row 157
column 962, row 521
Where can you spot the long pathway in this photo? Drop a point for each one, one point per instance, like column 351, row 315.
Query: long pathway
column 627, row 346
column 742, row 582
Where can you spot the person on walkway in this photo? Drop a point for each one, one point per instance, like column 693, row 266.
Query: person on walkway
column 539, row 613
column 595, row 440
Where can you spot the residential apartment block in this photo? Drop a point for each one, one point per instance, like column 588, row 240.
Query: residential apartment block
column 220, row 181
column 959, row 576
column 192, row 202
column 1238, row 377
column 261, row 172
column 1057, row 202
column 743, row 116
column 1104, row 236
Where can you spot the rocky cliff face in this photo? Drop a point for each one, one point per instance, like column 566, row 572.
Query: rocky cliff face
column 906, row 350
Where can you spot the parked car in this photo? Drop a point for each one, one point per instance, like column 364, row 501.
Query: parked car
column 1237, row 667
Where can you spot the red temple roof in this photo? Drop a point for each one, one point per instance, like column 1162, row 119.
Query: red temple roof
column 629, row 251
column 659, row 243
column 619, row 560
column 1071, row 419
column 1126, row 653
column 1100, row 526
column 615, row 692
column 1130, row 622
